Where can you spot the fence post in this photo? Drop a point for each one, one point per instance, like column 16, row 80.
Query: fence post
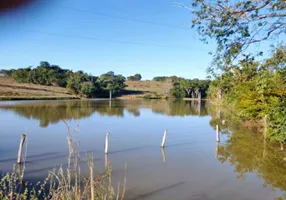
column 106, row 142
column 23, row 138
column 164, row 139
column 163, row 155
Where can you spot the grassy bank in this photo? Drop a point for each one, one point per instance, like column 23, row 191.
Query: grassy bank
column 12, row 90
column 146, row 90
column 8, row 98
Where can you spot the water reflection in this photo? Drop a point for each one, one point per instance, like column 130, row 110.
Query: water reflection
column 51, row 112
column 249, row 153
column 246, row 151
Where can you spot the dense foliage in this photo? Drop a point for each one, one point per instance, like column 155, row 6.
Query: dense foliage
column 79, row 83
column 136, row 77
column 187, row 88
column 255, row 87
column 238, row 25
column 257, row 91
column 166, row 78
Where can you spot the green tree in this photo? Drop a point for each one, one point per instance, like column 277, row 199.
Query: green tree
column 160, row 78
column 237, row 25
column 187, row 86
column 21, row 75
column 257, row 90
column 88, row 89
column 136, row 77
column 178, row 92
column 111, row 82
column 254, row 88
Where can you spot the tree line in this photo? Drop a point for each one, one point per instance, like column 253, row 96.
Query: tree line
column 78, row 83
column 257, row 90
column 252, row 82
column 186, row 88
column 108, row 84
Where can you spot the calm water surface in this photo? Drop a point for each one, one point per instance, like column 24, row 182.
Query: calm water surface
column 192, row 166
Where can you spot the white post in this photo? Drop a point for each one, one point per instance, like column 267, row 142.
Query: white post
column 163, row 155
column 23, row 138
column 106, row 162
column 110, row 94
column 164, row 139
column 217, row 134
column 106, row 142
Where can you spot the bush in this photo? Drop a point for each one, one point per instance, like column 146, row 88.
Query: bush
column 88, row 89
column 136, row 77
column 178, row 92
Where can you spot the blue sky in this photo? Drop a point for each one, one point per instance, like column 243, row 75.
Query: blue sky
column 78, row 35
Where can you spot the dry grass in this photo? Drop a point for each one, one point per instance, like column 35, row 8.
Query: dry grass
column 10, row 89
column 142, row 89
column 62, row 184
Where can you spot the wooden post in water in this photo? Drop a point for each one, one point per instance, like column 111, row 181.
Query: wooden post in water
column 106, row 142
column 163, row 155
column 110, row 94
column 23, row 138
column 106, row 162
column 281, row 146
column 164, row 139
column 217, row 134
column 91, row 179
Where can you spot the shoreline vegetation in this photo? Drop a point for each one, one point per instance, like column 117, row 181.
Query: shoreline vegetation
column 251, row 80
column 62, row 183
column 51, row 80
column 255, row 90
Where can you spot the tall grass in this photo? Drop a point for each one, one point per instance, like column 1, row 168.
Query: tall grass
column 62, row 184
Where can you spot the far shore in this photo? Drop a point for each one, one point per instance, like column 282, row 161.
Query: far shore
column 14, row 98
column 123, row 97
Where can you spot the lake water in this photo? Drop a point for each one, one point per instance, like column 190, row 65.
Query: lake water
column 192, row 165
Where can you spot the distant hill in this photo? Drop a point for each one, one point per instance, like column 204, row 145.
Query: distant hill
column 146, row 89
column 10, row 89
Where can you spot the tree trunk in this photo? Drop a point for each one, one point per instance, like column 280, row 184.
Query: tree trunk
column 188, row 92
column 197, row 94
column 193, row 95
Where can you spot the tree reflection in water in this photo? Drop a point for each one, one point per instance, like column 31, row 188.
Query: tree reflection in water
column 246, row 150
column 51, row 112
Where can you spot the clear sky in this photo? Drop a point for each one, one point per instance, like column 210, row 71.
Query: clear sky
column 127, row 37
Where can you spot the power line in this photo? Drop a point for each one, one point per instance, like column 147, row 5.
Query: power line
column 127, row 19
column 113, row 41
